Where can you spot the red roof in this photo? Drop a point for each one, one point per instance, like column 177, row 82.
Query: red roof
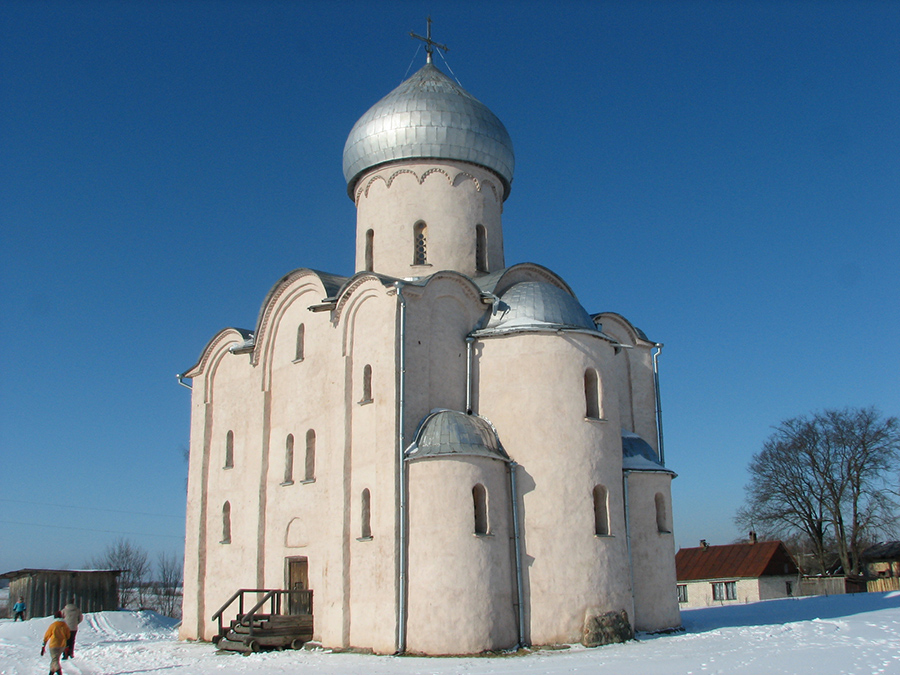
column 734, row 560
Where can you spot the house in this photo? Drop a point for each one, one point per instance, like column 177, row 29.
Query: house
column 46, row 591
column 438, row 453
column 748, row 572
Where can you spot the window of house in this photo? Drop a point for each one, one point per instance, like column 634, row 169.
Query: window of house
column 366, row 515
column 420, row 244
column 370, row 253
column 289, row 460
column 367, row 385
column 310, row 474
column 479, row 497
column 229, row 450
column 226, row 523
column 789, row 589
column 601, row 511
column 724, row 590
column 682, row 592
column 591, row 394
column 481, row 264
column 301, row 338
column 662, row 518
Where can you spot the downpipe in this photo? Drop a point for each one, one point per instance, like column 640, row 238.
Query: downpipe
column 625, row 474
column 659, row 427
column 402, row 562
column 514, row 498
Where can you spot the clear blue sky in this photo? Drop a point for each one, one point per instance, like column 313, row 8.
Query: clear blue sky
column 724, row 174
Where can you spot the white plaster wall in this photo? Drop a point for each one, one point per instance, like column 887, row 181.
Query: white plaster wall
column 229, row 390
column 531, row 386
column 450, row 197
column 772, row 587
column 652, row 553
column 700, row 593
column 461, row 585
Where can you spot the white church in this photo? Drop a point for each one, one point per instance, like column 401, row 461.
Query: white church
column 449, row 453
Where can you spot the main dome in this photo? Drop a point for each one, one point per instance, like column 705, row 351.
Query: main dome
column 429, row 117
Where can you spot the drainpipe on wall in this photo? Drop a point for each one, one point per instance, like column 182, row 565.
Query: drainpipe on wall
column 181, row 381
column 514, row 498
column 625, row 474
column 470, row 341
column 402, row 562
column 659, row 428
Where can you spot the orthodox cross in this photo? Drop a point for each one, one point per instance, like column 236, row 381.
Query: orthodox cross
column 429, row 43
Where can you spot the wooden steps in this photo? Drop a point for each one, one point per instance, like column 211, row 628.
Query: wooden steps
column 272, row 632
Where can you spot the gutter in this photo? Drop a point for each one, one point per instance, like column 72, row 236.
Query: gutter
column 402, row 561
column 659, row 427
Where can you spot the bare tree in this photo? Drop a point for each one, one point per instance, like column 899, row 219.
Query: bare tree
column 168, row 584
column 830, row 478
column 133, row 562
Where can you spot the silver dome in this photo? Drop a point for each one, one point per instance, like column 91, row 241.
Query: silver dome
column 530, row 305
column 429, row 116
column 450, row 433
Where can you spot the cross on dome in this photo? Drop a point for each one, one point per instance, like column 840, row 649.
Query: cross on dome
column 429, row 43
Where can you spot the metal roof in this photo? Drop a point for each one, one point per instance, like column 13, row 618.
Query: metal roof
column 738, row 561
column 429, row 116
column 538, row 305
column 639, row 455
column 446, row 433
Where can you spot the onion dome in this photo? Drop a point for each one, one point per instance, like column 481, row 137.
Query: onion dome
column 451, row 433
column 429, row 116
column 531, row 305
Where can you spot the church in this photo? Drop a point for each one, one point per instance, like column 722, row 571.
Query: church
column 448, row 453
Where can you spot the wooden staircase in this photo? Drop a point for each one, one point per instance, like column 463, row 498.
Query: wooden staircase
column 287, row 621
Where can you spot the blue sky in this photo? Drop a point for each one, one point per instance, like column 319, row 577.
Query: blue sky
column 723, row 174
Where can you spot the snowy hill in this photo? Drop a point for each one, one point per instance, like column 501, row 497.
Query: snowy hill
column 853, row 634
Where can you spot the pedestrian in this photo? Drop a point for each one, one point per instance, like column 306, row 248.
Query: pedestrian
column 55, row 640
column 73, row 617
column 19, row 609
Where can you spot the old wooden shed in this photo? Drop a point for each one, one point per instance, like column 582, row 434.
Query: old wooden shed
column 46, row 591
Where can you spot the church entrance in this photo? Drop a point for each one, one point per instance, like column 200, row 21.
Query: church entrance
column 297, row 578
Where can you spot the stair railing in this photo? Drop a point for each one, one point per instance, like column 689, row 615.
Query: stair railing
column 273, row 595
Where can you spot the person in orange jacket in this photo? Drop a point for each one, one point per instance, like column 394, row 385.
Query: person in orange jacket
column 56, row 638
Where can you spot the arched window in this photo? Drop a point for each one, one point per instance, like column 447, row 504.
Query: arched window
column 289, row 460
column 479, row 498
column 226, row 523
column 370, row 253
column 591, row 394
column 365, row 515
column 301, row 337
column 601, row 511
column 481, row 263
column 662, row 518
column 310, row 455
column 229, row 450
column 420, row 244
column 367, row 385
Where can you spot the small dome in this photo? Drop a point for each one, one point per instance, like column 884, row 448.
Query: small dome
column 449, row 432
column 537, row 304
column 429, row 117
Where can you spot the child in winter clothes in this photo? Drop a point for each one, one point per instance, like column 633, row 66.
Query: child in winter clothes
column 19, row 609
column 55, row 639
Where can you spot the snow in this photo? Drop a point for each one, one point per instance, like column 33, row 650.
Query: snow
column 819, row 635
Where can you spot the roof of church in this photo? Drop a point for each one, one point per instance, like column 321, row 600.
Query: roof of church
column 639, row 455
column 446, row 433
column 429, row 116
column 530, row 305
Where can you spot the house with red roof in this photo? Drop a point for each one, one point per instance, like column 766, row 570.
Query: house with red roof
column 735, row 573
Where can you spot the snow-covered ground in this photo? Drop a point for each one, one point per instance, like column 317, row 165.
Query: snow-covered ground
column 821, row 636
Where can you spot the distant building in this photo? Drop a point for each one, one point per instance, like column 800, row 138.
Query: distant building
column 735, row 573
column 451, row 453
column 882, row 560
column 46, row 591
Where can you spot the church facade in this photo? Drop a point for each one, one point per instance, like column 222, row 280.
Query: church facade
column 450, row 452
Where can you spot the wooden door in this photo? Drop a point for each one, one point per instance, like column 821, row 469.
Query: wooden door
column 297, row 573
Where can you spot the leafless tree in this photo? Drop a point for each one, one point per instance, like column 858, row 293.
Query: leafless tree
column 132, row 560
column 168, row 584
column 830, row 477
